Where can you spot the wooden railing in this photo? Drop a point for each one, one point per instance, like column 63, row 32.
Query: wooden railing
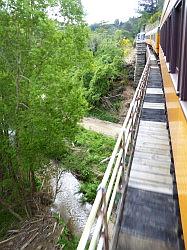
column 96, row 232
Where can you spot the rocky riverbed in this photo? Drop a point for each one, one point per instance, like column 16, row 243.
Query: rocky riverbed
column 68, row 202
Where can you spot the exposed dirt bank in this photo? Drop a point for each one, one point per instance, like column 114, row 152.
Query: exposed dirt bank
column 103, row 127
column 128, row 94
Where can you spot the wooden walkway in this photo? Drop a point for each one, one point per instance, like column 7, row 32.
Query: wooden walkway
column 149, row 220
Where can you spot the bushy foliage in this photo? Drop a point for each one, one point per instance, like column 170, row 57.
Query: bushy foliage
column 155, row 17
column 84, row 160
column 67, row 240
column 131, row 27
column 127, row 46
column 103, row 114
column 107, row 64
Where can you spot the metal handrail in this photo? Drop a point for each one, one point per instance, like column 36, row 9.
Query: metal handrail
column 97, row 226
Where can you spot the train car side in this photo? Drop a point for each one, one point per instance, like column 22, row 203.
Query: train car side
column 173, row 60
column 178, row 132
column 153, row 39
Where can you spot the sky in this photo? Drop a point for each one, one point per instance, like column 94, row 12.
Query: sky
column 109, row 10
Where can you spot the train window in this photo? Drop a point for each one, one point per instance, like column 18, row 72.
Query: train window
column 183, row 61
column 176, row 25
column 174, row 41
column 163, row 38
column 178, row 31
column 179, row 26
column 168, row 39
column 165, row 41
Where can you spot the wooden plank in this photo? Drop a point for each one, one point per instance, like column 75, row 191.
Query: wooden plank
column 147, row 131
column 151, row 169
column 157, row 151
column 140, row 143
column 150, row 156
column 155, row 91
column 151, row 162
column 153, row 124
column 154, row 132
column 146, row 141
column 150, row 105
column 152, row 140
column 153, row 128
column 152, row 187
column 129, row 240
column 151, row 177
column 153, row 135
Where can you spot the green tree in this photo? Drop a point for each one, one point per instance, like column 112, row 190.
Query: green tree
column 116, row 23
column 148, row 6
column 150, row 11
column 41, row 92
column 106, row 65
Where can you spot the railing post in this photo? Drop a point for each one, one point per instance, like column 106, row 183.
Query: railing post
column 104, row 233
column 123, row 163
column 123, row 147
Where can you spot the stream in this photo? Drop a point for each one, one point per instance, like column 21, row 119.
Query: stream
column 68, row 202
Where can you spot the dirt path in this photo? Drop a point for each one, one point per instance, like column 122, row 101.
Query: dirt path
column 110, row 128
column 103, row 127
column 128, row 94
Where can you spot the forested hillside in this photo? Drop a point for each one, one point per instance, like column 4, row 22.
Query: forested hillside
column 148, row 11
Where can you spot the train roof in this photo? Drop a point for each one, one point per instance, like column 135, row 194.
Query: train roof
column 153, row 31
column 168, row 6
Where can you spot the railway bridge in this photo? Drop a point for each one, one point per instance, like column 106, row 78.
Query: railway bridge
column 136, row 205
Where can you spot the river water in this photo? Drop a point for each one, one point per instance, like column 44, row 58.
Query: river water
column 68, row 202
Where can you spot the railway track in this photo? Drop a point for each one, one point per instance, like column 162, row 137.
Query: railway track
column 148, row 217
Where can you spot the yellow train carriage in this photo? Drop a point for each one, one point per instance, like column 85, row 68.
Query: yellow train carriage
column 153, row 39
column 173, row 60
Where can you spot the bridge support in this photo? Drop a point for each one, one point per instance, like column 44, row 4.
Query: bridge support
column 140, row 61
